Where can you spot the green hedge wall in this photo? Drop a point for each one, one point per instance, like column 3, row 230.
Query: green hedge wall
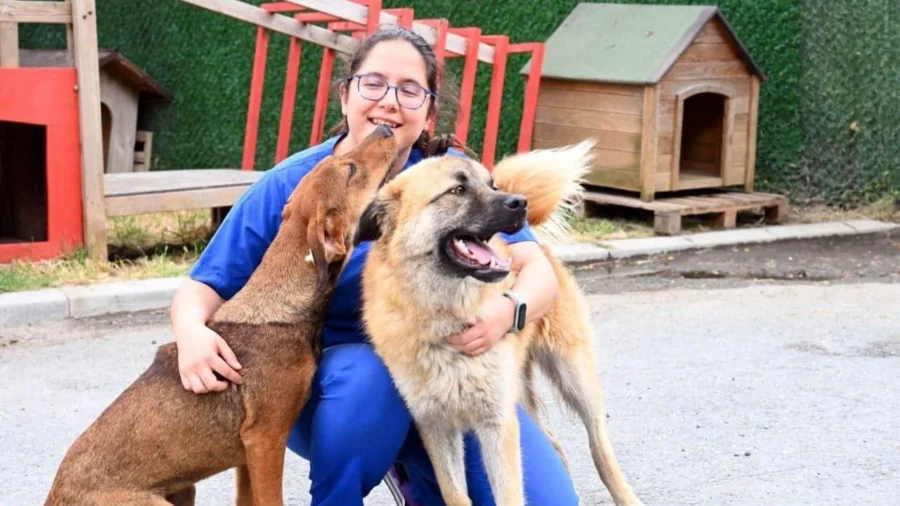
column 828, row 111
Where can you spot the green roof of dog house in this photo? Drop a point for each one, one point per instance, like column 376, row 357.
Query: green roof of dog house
column 627, row 43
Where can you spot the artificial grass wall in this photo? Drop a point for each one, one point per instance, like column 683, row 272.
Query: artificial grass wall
column 828, row 124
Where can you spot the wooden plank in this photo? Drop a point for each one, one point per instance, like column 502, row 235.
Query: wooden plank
column 713, row 33
column 734, row 87
column 174, row 201
column 20, row 11
column 167, row 181
column 727, row 146
column 621, row 179
column 741, row 123
column 634, row 202
column 700, row 52
column 608, row 159
column 675, row 164
column 84, row 24
column 750, row 168
column 279, row 23
column 547, row 135
column 689, row 181
column 564, row 98
column 629, row 90
column 70, row 37
column 9, row 44
column 741, row 105
column 648, row 142
column 357, row 13
column 686, row 71
column 628, row 123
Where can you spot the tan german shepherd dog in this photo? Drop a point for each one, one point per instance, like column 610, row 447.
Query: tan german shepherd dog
column 435, row 258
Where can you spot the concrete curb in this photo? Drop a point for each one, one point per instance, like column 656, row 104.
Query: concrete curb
column 51, row 304
column 625, row 248
column 19, row 308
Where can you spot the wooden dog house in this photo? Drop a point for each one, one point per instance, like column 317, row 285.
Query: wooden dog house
column 124, row 89
column 669, row 92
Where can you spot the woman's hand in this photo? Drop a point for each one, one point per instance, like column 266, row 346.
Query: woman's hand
column 492, row 323
column 201, row 353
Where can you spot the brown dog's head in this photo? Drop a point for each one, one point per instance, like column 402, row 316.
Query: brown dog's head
column 332, row 196
column 436, row 218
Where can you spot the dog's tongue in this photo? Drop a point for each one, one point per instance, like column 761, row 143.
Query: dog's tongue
column 483, row 254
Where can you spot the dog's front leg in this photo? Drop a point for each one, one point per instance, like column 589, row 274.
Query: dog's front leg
column 501, row 454
column 244, row 496
column 444, row 446
column 265, row 467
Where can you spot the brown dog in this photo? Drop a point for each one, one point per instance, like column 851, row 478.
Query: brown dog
column 157, row 440
column 435, row 259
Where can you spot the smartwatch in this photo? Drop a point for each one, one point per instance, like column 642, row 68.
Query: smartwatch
column 521, row 309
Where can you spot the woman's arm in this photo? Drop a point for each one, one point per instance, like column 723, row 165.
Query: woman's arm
column 536, row 284
column 201, row 351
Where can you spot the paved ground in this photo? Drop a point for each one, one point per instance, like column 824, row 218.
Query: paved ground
column 722, row 389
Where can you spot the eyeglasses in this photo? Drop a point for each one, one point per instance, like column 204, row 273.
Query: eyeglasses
column 373, row 87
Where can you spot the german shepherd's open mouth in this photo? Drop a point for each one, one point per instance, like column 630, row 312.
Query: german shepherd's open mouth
column 466, row 250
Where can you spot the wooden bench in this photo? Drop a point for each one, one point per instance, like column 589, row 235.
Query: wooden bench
column 174, row 190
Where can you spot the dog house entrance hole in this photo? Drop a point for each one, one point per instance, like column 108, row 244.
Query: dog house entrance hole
column 23, row 182
column 702, row 128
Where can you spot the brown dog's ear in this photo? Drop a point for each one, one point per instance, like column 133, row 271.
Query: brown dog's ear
column 325, row 237
column 372, row 223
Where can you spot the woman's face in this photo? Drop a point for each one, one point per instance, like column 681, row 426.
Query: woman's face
column 396, row 63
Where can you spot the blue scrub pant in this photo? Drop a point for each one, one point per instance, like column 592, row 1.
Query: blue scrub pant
column 355, row 426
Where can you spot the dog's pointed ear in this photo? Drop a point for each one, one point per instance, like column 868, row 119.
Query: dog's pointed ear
column 325, row 237
column 371, row 223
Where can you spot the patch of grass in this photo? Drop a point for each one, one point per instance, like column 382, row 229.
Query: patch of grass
column 590, row 229
column 885, row 209
column 140, row 247
column 77, row 269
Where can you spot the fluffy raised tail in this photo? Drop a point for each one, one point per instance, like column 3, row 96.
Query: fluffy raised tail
column 551, row 180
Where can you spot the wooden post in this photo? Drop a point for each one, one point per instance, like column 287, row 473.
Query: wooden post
column 649, row 143
column 84, row 31
column 9, row 45
column 750, row 175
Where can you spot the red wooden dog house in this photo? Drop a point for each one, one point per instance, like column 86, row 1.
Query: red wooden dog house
column 51, row 164
column 40, row 163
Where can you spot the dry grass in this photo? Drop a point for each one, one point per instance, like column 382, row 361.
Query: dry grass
column 887, row 209
column 141, row 247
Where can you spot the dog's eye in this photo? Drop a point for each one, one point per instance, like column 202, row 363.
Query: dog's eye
column 459, row 190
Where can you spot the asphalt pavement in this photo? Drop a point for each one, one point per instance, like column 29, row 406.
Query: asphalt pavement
column 729, row 380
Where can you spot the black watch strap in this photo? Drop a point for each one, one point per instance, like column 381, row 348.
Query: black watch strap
column 521, row 311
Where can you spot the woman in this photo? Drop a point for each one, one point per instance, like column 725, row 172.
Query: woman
column 355, row 425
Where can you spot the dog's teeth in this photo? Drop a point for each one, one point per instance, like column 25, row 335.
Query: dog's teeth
column 309, row 257
column 461, row 245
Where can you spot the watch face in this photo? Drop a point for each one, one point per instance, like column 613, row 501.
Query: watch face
column 520, row 317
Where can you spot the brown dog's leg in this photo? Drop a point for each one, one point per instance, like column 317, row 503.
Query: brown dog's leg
column 265, row 466
column 574, row 375
column 502, row 458
column 244, row 490
column 184, row 498
column 445, row 450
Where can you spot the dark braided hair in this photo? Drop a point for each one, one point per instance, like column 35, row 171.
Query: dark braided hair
column 428, row 144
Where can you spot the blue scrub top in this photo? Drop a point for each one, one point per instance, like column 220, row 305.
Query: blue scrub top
column 238, row 245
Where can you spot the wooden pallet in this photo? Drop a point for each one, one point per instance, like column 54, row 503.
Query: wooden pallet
column 722, row 205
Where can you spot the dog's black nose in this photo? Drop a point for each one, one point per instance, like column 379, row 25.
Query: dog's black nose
column 515, row 202
column 384, row 131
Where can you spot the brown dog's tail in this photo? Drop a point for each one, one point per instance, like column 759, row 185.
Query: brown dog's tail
column 551, row 180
